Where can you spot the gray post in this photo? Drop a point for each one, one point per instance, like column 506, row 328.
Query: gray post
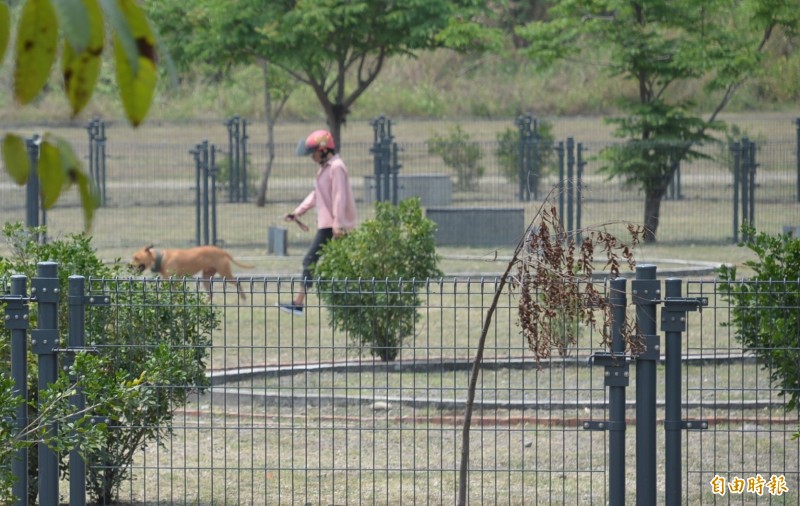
column 616, row 400
column 102, row 163
column 523, row 143
column 244, row 160
column 533, row 160
column 579, row 194
column 17, row 322
column 646, row 292
column 236, row 169
column 204, row 173
column 77, row 339
column 744, row 179
column 797, row 148
column 560, row 151
column 736, row 155
column 376, row 156
column 44, row 341
column 672, row 398
column 570, row 186
column 197, row 169
column 395, row 172
column 32, row 190
column 229, row 125
column 212, row 173
column 752, row 184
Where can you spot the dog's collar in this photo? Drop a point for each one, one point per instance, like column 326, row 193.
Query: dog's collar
column 157, row 264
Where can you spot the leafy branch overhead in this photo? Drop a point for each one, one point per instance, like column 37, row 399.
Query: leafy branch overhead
column 79, row 27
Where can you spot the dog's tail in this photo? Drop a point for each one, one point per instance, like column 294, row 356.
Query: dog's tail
column 246, row 266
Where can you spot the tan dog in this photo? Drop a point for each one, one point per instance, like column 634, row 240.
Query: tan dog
column 209, row 260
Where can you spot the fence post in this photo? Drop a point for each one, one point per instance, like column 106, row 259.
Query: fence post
column 646, row 291
column 376, row 150
column 524, row 141
column 580, row 164
column 751, row 164
column 16, row 318
column 243, row 149
column 560, row 151
column 212, row 173
column 616, row 377
column 76, row 339
column 744, row 180
column 44, row 341
column 673, row 323
column 386, row 159
column 197, row 168
column 32, row 205
column 204, row 174
column 797, row 160
column 736, row 155
column 570, row 183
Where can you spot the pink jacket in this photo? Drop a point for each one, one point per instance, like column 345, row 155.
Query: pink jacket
column 332, row 196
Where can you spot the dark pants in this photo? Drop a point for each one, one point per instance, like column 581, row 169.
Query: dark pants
column 323, row 236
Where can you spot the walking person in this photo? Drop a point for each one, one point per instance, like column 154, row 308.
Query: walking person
column 333, row 198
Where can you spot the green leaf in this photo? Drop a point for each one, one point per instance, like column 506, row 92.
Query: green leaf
column 81, row 68
column 15, row 157
column 5, row 29
column 73, row 17
column 52, row 177
column 90, row 197
column 122, row 31
column 37, row 38
column 136, row 84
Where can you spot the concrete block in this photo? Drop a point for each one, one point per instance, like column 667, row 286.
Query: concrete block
column 477, row 226
column 432, row 189
column 277, row 241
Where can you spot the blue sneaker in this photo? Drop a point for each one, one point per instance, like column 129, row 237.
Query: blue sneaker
column 295, row 309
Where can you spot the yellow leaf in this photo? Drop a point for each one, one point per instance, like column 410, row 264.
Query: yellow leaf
column 136, row 85
column 37, row 38
column 15, row 157
column 51, row 173
column 90, row 198
column 82, row 68
column 5, row 29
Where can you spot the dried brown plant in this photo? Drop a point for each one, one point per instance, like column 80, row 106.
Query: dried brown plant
column 555, row 281
column 556, row 284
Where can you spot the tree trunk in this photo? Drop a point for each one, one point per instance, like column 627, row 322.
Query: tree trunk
column 652, row 213
column 271, row 117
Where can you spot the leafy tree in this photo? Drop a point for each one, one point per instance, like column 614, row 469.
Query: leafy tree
column 371, row 277
column 460, row 153
column 80, row 27
column 154, row 344
column 338, row 47
column 655, row 49
column 212, row 34
column 766, row 307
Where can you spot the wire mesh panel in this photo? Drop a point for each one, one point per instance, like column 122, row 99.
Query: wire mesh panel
column 151, row 189
column 293, row 413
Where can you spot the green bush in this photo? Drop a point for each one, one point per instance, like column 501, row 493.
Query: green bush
column 371, row 277
column 766, row 308
column 153, row 348
column 461, row 154
column 509, row 159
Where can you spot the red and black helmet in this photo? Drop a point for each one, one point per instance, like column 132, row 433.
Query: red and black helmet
column 317, row 140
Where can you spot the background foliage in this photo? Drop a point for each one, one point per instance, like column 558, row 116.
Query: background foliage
column 151, row 340
column 766, row 313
